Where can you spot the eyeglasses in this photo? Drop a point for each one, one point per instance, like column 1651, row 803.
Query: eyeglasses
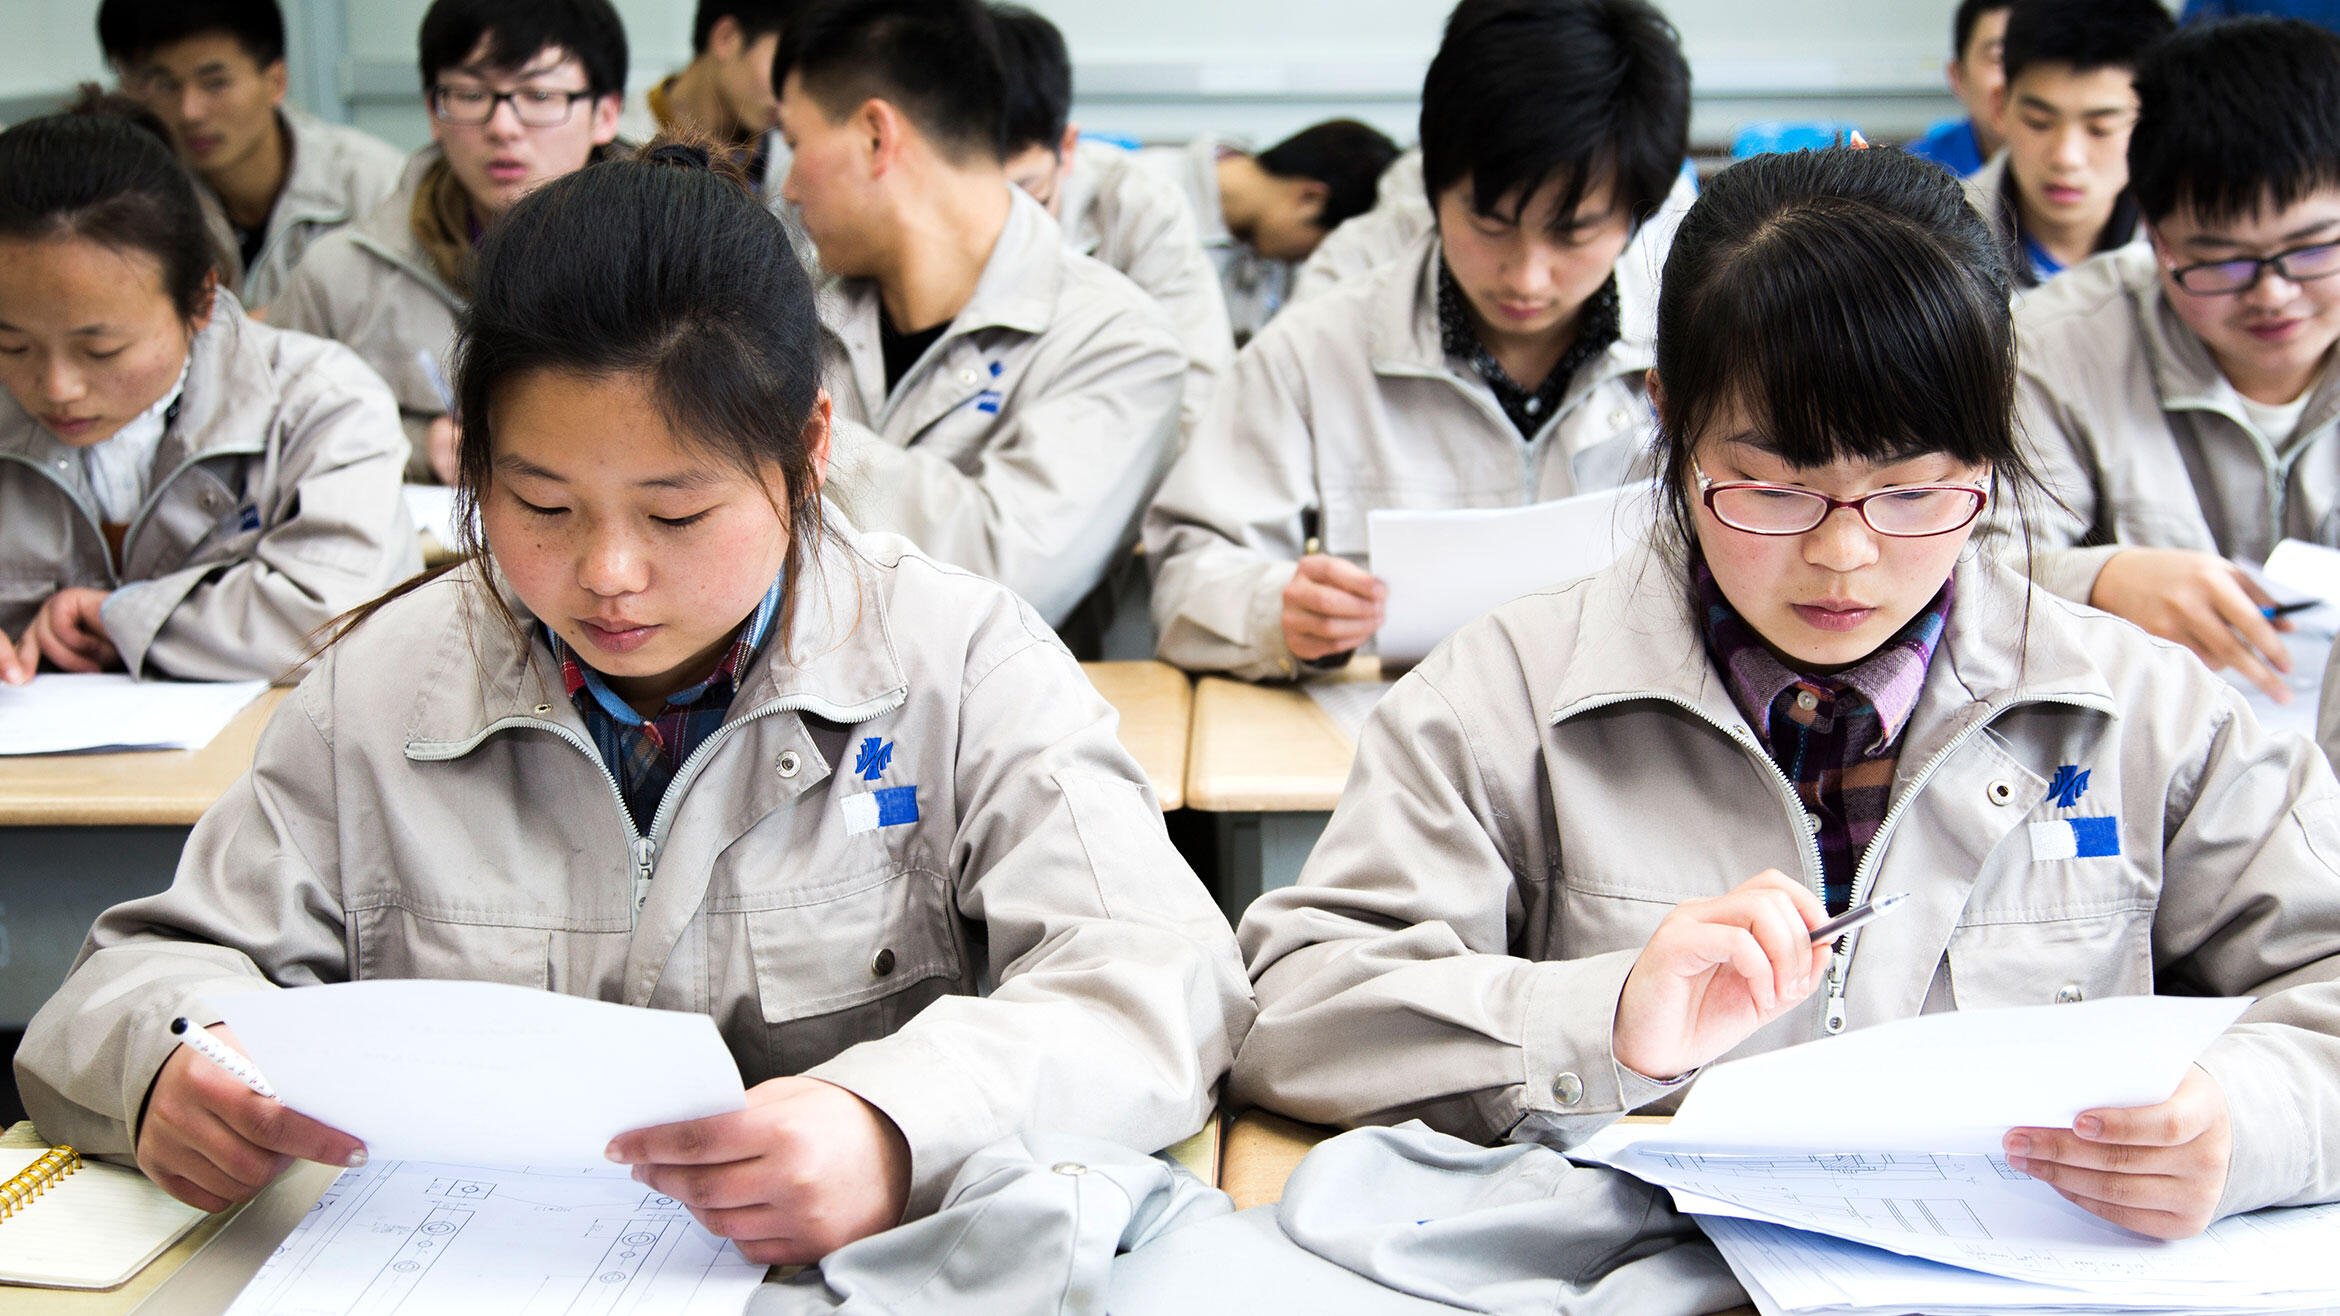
column 1913, row 511
column 2298, row 265
column 534, row 107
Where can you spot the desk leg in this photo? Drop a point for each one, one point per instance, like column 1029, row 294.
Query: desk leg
column 1260, row 852
column 54, row 882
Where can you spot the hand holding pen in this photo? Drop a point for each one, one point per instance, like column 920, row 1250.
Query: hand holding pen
column 212, row 1137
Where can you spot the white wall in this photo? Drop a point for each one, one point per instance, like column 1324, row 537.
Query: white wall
column 50, row 45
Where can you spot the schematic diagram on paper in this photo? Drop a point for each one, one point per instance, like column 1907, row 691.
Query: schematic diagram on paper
column 1872, row 1167
column 406, row 1238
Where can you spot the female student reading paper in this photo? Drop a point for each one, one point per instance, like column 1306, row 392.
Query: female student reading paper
column 183, row 492
column 1585, row 841
column 675, row 735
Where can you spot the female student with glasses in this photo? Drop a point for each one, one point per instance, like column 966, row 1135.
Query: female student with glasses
column 1584, row 842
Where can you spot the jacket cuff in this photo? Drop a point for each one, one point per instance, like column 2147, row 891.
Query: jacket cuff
column 943, row 1117
column 148, row 1042
column 1572, row 1085
column 134, row 614
column 1272, row 657
column 2273, row 1146
column 2071, row 572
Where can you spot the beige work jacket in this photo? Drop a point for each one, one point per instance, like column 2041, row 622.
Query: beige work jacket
column 1024, row 444
column 1252, row 286
column 2140, row 437
column 372, row 287
column 1532, row 800
column 1026, row 952
column 273, row 507
column 1346, row 404
column 1119, row 211
column 335, row 175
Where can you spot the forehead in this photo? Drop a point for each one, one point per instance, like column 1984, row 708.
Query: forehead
column 204, row 51
column 1541, row 208
column 547, row 63
column 76, row 282
column 2061, row 87
column 1990, row 28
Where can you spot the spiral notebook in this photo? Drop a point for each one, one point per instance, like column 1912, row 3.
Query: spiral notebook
column 67, row 1223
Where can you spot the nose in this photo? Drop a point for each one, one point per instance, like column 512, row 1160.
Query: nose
column 503, row 121
column 61, row 383
column 2071, row 151
column 2271, row 291
column 1841, row 543
column 611, row 565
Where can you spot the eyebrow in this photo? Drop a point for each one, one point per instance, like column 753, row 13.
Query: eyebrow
column 547, row 60
column 2100, row 112
column 684, row 480
column 85, row 331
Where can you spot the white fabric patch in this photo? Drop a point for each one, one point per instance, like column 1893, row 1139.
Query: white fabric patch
column 2053, row 840
column 861, row 813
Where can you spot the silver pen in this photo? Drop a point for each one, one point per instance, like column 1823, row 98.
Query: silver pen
column 1853, row 918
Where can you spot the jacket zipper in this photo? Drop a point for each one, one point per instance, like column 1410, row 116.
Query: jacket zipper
column 145, row 511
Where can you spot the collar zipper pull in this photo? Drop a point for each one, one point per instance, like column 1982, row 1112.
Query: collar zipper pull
column 1833, row 1022
column 645, row 853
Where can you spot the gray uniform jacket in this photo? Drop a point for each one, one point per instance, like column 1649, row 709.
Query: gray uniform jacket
column 372, row 287
column 1533, row 799
column 1346, row 404
column 428, row 804
column 1124, row 214
column 335, row 175
column 1024, row 444
column 273, row 507
column 1252, row 286
column 2129, row 422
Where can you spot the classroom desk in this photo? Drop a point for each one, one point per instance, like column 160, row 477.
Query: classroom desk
column 87, row 831
column 290, row 1197
column 1262, row 1149
column 1270, row 764
column 1156, row 702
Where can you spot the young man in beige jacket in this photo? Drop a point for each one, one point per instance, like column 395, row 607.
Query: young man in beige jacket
column 1497, row 363
column 273, row 179
column 2179, row 399
column 1006, row 403
column 504, row 122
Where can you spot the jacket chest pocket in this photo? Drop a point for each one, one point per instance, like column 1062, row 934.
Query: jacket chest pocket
column 852, row 962
column 2052, row 961
column 204, row 514
column 389, row 940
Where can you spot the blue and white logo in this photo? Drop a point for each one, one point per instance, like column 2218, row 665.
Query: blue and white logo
column 876, row 754
column 2068, row 785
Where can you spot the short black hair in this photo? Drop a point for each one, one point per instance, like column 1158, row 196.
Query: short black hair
column 517, row 31
column 130, row 30
column 2236, row 115
column 1039, row 79
column 756, row 18
column 1524, row 93
column 1346, row 156
column 1970, row 13
column 937, row 61
column 2087, row 35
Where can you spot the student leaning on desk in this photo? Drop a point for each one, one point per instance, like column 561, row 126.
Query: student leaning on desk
column 1584, row 842
column 183, row 492
column 894, row 784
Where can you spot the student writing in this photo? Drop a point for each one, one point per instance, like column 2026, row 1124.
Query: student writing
column 1584, row 841
column 674, row 734
column 183, row 492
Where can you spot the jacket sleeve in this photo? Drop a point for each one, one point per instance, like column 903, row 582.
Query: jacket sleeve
column 255, row 901
column 1386, row 982
column 1225, row 534
column 336, row 533
column 1120, row 999
column 2062, row 514
column 1170, row 265
column 1055, row 497
column 2250, row 906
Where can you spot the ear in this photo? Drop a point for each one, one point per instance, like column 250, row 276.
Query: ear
column 1072, row 138
column 277, row 79
column 1308, row 198
column 724, row 40
column 1657, row 396
column 205, row 302
column 1999, row 103
column 818, row 431
column 883, row 127
column 605, row 118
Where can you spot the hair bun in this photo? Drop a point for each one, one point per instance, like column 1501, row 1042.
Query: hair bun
column 680, row 155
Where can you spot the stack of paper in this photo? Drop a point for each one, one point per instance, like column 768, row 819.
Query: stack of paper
column 1902, row 1157
column 2297, row 572
column 66, row 712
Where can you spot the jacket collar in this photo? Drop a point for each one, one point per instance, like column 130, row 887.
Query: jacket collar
column 1638, row 638
column 1017, row 291
column 1402, row 338
column 840, row 663
column 387, row 231
column 226, row 408
column 313, row 188
column 1202, row 188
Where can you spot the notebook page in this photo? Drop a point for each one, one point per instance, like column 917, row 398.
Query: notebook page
column 93, row 1229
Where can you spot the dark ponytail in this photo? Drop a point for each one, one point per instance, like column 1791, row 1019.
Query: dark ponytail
column 103, row 171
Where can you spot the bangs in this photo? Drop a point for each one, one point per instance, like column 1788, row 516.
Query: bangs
column 1846, row 340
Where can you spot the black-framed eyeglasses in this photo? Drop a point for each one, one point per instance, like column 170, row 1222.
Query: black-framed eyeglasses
column 1910, row 511
column 533, row 106
column 2212, row 278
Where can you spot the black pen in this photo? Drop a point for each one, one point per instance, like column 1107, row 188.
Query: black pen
column 1853, row 918
column 1310, row 543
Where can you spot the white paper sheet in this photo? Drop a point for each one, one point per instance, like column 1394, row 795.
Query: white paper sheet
column 69, row 712
column 482, row 1073
column 433, row 508
column 414, row 1238
column 1444, row 568
column 1348, row 703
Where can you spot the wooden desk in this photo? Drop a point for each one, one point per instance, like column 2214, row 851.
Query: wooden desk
column 85, row 832
column 1156, row 703
column 1271, row 765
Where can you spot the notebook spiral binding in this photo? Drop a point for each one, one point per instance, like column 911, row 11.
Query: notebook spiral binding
column 37, row 1178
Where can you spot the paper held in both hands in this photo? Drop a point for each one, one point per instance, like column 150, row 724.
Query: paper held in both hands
column 1864, row 1171
column 485, row 1110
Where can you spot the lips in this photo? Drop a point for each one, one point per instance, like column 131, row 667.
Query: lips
column 66, row 427
column 1834, row 614
column 2273, row 331
column 1522, row 311
column 202, row 143
column 616, row 635
column 2059, row 195
column 507, row 171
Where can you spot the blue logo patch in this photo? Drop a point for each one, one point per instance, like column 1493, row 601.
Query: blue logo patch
column 897, row 805
column 2069, row 784
column 876, row 754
